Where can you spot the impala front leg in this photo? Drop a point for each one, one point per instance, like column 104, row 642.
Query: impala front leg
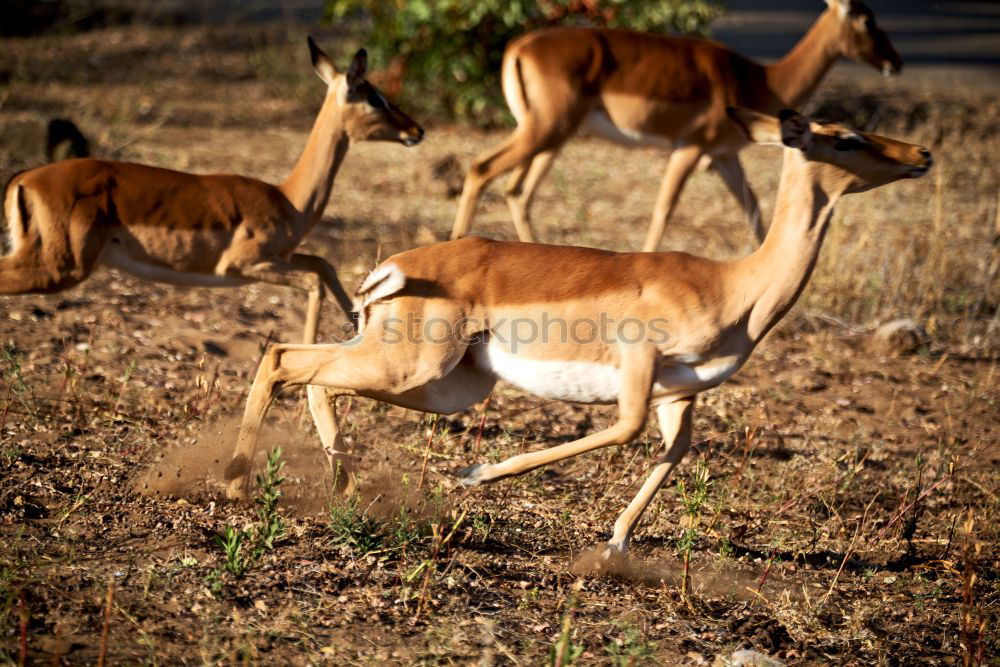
column 682, row 162
column 638, row 366
column 731, row 170
column 675, row 425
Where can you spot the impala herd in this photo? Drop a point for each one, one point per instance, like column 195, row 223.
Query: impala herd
column 643, row 330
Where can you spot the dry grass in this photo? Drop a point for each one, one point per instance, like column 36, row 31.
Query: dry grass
column 852, row 513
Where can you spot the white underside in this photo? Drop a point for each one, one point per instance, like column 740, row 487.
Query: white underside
column 587, row 382
column 578, row 381
column 599, row 123
column 117, row 258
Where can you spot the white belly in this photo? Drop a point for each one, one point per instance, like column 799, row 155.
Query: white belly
column 577, row 381
column 601, row 125
column 587, row 382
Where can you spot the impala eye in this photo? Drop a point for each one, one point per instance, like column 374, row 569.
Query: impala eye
column 375, row 100
column 848, row 144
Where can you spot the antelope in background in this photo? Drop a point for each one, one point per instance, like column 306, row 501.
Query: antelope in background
column 67, row 218
column 684, row 324
column 642, row 89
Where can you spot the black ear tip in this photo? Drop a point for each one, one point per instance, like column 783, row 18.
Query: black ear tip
column 787, row 114
column 362, row 53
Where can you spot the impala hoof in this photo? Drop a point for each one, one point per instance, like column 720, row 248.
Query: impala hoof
column 236, row 490
column 473, row 475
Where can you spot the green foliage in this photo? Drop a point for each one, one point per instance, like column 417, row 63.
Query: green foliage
column 565, row 651
column 270, row 527
column 447, row 53
column 355, row 528
column 242, row 548
column 11, row 375
column 694, row 495
column 630, row 649
column 231, row 543
column 362, row 533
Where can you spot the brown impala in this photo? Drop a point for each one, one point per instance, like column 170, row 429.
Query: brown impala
column 653, row 90
column 67, row 218
column 640, row 330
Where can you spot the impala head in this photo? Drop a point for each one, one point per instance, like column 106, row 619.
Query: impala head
column 368, row 115
column 846, row 160
column 863, row 41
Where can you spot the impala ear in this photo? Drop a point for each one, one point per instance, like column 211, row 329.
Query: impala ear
column 757, row 127
column 322, row 63
column 359, row 65
column 842, row 7
column 795, row 132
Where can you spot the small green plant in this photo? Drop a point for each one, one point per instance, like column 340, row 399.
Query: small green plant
column 241, row 548
column 14, row 378
column 356, row 529
column 564, row 651
column 630, row 649
column 726, row 548
column 231, row 542
column 270, row 527
column 693, row 498
column 10, row 454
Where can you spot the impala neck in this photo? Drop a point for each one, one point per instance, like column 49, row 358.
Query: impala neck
column 308, row 187
column 794, row 78
column 770, row 280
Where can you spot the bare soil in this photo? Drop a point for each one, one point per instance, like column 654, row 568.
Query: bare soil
column 852, row 513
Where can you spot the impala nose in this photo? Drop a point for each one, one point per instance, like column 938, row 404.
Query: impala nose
column 414, row 136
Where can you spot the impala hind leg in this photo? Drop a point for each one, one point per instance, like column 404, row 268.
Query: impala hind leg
column 315, row 276
column 729, row 167
column 521, row 190
column 529, row 139
column 58, row 261
column 359, row 368
column 682, row 162
column 675, row 425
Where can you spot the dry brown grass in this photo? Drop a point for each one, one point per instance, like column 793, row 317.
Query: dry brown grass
column 842, row 479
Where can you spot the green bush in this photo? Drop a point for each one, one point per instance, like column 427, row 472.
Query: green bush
column 443, row 56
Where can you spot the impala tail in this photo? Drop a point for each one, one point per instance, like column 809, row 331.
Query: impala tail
column 384, row 281
column 512, row 81
column 12, row 217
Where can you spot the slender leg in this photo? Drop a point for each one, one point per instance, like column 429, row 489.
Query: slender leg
column 521, row 190
column 364, row 368
column 637, row 370
column 516, row 151
column 682, row 162
column 322, row 403
column 731, row 170
column 532, row 136
column 265, row 387
column 675, row 425
column 314, row 275
column 328, row 277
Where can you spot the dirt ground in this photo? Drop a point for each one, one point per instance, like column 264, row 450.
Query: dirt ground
column 851, row 511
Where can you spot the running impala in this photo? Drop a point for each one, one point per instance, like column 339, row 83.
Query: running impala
column 673, row 325
column 67, row 218
column 641, row 89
